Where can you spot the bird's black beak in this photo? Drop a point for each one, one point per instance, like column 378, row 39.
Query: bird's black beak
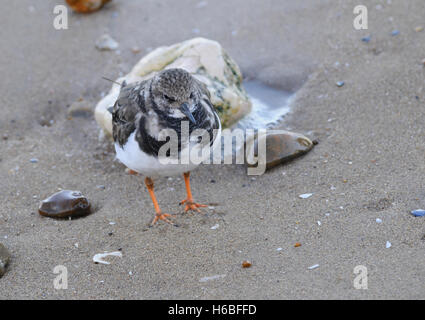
column 186, row 111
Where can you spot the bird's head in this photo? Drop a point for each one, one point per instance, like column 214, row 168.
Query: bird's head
column 176, row 93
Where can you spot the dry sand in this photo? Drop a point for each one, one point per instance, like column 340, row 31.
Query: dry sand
column 371, row 150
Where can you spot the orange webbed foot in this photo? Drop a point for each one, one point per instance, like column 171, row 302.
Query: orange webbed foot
column 163, row 217
column 190, row 205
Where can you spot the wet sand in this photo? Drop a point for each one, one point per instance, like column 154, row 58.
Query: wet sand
column 369, row 163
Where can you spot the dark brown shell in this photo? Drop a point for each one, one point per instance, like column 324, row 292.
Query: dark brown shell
column 66, row 203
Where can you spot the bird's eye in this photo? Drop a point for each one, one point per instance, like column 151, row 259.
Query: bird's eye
column 170, row 99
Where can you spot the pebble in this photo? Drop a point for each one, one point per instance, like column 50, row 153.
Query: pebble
column 279, row 249
column 98, row 258
column 395, row 33
column 246, row 264
column 33, row 160
column 419, row 28
column 215, row 226
column 305, row 195
column 297, row 244
column 366, row 39
column 135, row 50
column 105, row 42
column 388, row 245
column 86, row 6
column 4, row 259
column 418, row 212
column 340, row 83
column 378, row 220
column 65, row 203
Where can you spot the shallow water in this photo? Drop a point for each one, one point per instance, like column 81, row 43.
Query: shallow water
column 269, row 105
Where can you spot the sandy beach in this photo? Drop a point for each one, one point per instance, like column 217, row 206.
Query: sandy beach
column 369, row 163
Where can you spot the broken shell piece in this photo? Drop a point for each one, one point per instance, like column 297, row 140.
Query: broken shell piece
column 98, row 258
column 218, row 276
column 305, row 195
column 86, row 6
column 105, row 42
column 418, row 213
column 280, row 146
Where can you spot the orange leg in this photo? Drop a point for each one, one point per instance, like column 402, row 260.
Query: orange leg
column 159, row 215
column 190, row 205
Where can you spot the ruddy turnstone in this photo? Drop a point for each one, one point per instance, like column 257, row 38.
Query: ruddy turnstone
column 173, row 100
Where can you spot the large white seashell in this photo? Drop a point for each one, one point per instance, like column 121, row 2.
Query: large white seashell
column 203, row 58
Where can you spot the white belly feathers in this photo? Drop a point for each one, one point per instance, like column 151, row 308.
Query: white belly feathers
column 134, row 158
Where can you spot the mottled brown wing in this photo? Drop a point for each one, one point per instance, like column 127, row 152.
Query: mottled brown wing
column 125, row 111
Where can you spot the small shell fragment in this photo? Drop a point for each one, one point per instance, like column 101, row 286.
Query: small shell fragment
column 305, row 195
column 106, row 42
column 218, row 276
column 98, row 258
column 418, row 212
column 313, row 267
